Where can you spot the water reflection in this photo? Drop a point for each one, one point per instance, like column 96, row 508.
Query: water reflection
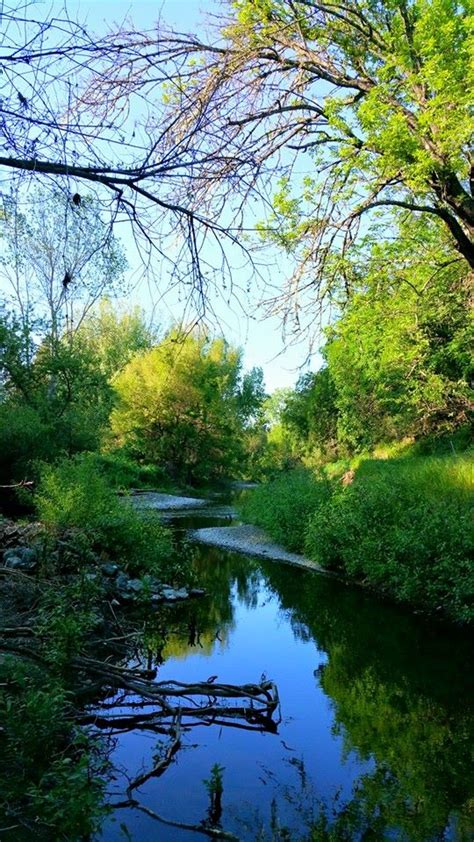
column 377, row 711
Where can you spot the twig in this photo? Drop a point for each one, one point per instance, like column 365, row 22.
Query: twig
column 206, row 830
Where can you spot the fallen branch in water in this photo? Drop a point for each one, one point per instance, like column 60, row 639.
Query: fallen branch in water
column 260, row 700
column 162, row 764
column 205, row 830
column 171, row 708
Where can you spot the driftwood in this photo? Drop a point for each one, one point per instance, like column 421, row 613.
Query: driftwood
column 133, row 700
column 258, row 702
column 172, row 708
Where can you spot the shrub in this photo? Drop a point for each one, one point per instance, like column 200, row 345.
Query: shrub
column 73, row 494
column 51, row 775
column 22, row 434
column 122, row 472
column 404, row 526
column 282, row 507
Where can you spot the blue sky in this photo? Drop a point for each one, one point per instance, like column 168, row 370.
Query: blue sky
column 240, row 321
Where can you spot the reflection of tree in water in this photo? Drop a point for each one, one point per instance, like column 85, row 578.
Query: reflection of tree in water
column 204, row 623
column 402, row 695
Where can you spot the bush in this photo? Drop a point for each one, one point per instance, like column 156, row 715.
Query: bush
column 122, row 472
column 73, row 494
column 404, row 526
column 282, row 507
column 23, row 435
column 51, row 776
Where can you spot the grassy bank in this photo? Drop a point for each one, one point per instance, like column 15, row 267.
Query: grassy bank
column 403, row 526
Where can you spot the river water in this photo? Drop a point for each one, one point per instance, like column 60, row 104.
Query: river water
column 376, row 730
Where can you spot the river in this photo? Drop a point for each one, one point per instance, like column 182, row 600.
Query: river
column 376, row 728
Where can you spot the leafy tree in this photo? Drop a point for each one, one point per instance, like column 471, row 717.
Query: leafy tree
column 399, row 356
column 54, row 399
column 367, row 101
column 251, row 396
column 114, row 336
column 370, row 99
column 310, row 412
column 178, row 406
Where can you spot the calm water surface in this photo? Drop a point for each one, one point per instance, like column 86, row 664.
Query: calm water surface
column 376, row 707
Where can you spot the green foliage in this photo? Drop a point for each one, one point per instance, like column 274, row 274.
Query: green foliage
column 400, row 355
column 214, row 784
column 52, row 778
column 54, row 400
column 405, row 527
column 67, row 615
column 251, row 396
column 283, row 506
column 382, row 115
column 72, row 494
column 311, row 413
column 114, row 336
column 178, row 406
column 123, row 472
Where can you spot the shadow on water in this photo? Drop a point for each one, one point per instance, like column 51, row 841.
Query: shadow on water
column 377, row 712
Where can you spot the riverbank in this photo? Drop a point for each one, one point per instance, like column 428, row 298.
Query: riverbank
column 403, row 527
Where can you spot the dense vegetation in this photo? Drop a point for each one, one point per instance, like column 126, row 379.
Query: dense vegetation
column 404, row 526
column 349, row 126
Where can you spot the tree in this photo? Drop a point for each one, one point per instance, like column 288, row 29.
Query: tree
column 251, row 396
column 58, row 261
column 178, row 407
column 54, row 400
column 73, row 120
column 367, row 100
column 311, row 412
column 400, row 355
column 114, row 336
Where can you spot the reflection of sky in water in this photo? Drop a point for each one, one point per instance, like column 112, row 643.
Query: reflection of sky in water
column 395, row 709
column 258, row 767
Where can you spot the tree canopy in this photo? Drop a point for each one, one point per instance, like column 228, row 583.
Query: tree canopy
column 183, row 404
column 364, row 104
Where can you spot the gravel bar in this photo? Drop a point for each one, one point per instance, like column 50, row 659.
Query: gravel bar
column 166, row 502
column 253, row 541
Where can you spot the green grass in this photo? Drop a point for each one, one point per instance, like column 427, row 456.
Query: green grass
column 282, row 507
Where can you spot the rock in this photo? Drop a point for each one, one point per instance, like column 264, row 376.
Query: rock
column 135, row 585
column 24, row 553
column 122, row 582
column 20, row 558
column 109, row 568
column 14, row 562
column 171, row 595
column 154, row 584
column 197, row 592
